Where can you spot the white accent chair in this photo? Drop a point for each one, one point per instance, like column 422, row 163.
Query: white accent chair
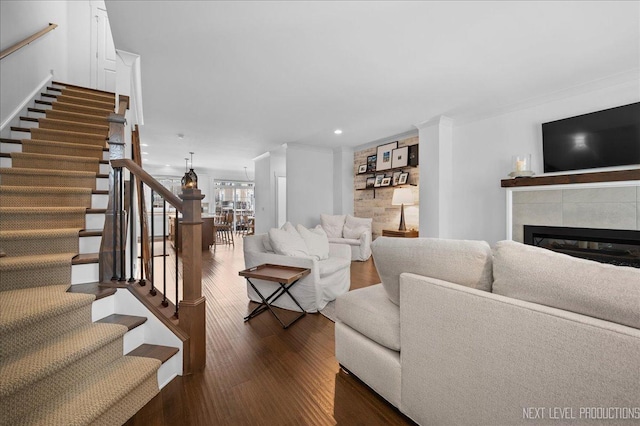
column 328, row 279
column 354, row 232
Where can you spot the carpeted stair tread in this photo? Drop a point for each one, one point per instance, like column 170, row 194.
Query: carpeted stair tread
column 27, row 367
column 35, row 270
column 73, row 126
column 39, row 241
column 14, row 176
column 54, row 162
column 16, row 218
column 65, row 106
column 45, row 196
column 43, row 146
column 77, row 117
column 111, row 396
column 67, row 136
column 30, row 316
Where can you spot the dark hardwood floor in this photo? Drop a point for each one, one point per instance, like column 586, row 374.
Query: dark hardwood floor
column 260, row 374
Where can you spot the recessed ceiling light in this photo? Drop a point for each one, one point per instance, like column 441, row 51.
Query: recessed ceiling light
column 180, row 135
column 144, row 144
column 337, row 132
column 168, row 165
column 144, row 153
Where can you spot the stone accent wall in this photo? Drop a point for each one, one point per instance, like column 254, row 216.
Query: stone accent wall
column 605, row 208
column 385, row 216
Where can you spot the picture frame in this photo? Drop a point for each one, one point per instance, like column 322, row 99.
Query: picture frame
column 400, row 157
column 386, row 181
column 370, row 182
column 413, row 155
column 395, row 178
column 378, row 181
column 362, row 168
column 383, row 160
column 371, row 163
column 404, row 177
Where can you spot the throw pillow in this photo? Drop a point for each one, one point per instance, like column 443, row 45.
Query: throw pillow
column 286, row 227
column 287, row 243
column 316, row 241
column 332, row 224
column 354, row 227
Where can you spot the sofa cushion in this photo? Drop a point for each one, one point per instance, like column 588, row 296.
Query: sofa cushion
column 348, row 241
column 332, row 224
column 316, row 241
column 458, row 261
column 354, row 227
column 331, row 265
column 370, row 312
column 286, row 227
column 287, row 243
column 538, row 275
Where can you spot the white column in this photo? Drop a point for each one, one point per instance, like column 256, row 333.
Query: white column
column 436, row 177
column 343, row 180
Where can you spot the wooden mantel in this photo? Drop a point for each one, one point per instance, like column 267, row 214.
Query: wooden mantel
column 615, row 176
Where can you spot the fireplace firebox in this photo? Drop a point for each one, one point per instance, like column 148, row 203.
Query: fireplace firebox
column 614, row 246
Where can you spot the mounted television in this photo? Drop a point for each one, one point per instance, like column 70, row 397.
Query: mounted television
column 599, row 139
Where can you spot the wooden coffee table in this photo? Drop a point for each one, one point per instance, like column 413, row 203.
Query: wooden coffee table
column 286, row 276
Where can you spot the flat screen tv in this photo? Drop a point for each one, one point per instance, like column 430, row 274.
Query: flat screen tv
column 599, row 139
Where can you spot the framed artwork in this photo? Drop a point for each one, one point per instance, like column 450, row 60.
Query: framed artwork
column 370, row 182
column 362, row 168
column 404, row 177
column 386, row 181
column 378, row 181
column 395, row 178
column 400, row 157
column 413, row 155
column 371, row 163
column 383, row 162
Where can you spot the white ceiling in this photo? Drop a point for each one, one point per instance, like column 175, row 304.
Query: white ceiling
column 241, row 78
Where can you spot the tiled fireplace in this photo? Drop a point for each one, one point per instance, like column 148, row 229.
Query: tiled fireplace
column 600, row 205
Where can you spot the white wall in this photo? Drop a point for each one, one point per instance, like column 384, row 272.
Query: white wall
column 482, row 153
column 309, row 183
column 343, row 181
column 262, row 192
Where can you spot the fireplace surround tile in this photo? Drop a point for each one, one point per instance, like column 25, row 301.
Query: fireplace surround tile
column 600, row 195
column 600, row 215
column 534, row 214
column 537, row 197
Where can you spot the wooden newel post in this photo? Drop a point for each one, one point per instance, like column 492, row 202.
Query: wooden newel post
column 192, row 305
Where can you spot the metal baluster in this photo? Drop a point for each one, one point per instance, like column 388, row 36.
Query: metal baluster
column 142, row 281
column 132, row 217
column 114, row 209
column 176, row 253
column 153, row 291
column 123, row 268
column 165, row 303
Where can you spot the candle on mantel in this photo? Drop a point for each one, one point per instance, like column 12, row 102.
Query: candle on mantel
column 521, row 165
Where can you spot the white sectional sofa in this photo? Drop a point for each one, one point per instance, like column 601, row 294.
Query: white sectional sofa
column 354, row 232
column 460, row 334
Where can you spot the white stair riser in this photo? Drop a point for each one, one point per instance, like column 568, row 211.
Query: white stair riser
column 169, row 370
column 36, row 114
column 105, row 169
column 10, row 147
column 86, row 273
column 99, row 201
column 90, row 245
column 102, row 183
column 5, row 162
column 29, row 124
column 94, row 221
column 102, row 308
column 20, row 135
column 133, row 339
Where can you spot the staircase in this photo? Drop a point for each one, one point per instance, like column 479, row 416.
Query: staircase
column 62, row 347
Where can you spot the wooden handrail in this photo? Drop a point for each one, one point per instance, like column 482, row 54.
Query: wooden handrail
column 8, row 51
column 145, row 177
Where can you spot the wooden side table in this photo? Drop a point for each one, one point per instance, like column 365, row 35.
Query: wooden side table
column 286, row 276
column 410, row 233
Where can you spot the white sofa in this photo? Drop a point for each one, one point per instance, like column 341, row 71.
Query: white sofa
column 354, row 232
column 328, row 279
column 458, row 334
